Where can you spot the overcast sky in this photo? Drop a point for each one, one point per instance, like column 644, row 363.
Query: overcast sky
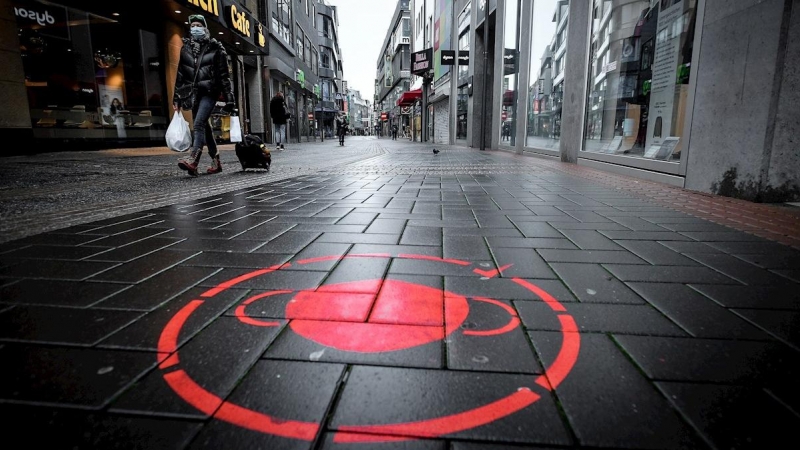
column 362, row 27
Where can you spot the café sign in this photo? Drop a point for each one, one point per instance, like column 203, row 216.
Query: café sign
column 238, row 20
column 209, row 6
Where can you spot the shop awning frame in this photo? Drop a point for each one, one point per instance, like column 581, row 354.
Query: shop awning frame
column 409, row 97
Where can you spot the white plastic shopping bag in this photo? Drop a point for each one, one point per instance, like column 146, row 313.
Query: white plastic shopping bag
column 236, row 129
column 179, row 137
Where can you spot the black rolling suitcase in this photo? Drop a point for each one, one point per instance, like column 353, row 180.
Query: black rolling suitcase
column 252, row 153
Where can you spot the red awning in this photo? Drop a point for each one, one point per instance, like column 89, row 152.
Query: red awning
column 408, row 97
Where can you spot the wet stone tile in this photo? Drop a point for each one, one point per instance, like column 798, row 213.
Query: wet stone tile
column 784, row 325
column 763, row 297
column 279, row 279
column 600, row 318
column 657, row 254
column 419, row 395
column 354, row 441
column 605, row 411
column 50, row 324
column 591, row 283
column 668, row 274
column 55, row 270
column 360, row 238
column 58, row 293
column 68, row 376
column 506, row 289
column 469, row 248
column 144, row 267
column 135, row 250
column 215, row 360
column 54, row 252
column 233, row 259
column 525, row 263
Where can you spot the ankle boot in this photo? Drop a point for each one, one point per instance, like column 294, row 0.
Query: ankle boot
column 216, row 165
column 189, row 163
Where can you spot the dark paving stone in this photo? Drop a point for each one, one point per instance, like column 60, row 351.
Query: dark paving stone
column 690, row 247
column 725, row 414
column 590, row 217
column 766, row 297
column 562, row 217
column 793, row 275
column 776, row 260
column 468, row 248
column 737, row 269
column 637, row 224
column 428, row 394
column 607, row 401
column 81, row 377
column 316, row 220
column 487, row 446
column 590, row 256
column 280, row 279
column 318, row 250
column 145, row 332
column 427, row 208
column 754, row 246
column 605, row 318
column 219, row 245
column 333, row 441
column 442, row 223
column 482, row 351
column 591, row 283
column 57, row 293
column 330, row 228
column 144, row 267
column 721, row 236
column 784, row 325
column 386, row 226
column 67, row 428
column 56, row 239
column 586, row 225
column 358, row 269
column 498, row 232
column 226, row 259
column 334, row 212
column 644, row 235
column 538, row 230
column 675, row 219
column 544, row 210
column 54, row 252
column 266, row 232
column 505, row 289
column 395, row 250
column 590, row 240
column 50, row 324
column 289, row 242
column 422, row 267
column 281, row 390
column 55, row 270
column 360, row 238
column 421, row 236
column 513, row 242
column 526, row 263
column 124, row 227
column 130, row 237
column 135, row 250
column 657, row 254
column 668, row 274
column 216, row 359
column 357, row 218
column 409, row 216
column 695, row 226
column 687, row 359
column 695, row 313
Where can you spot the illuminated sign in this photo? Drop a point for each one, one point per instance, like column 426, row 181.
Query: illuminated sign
column 209, row 6
column 238, row 20
column 421, row 61
column 260, row 39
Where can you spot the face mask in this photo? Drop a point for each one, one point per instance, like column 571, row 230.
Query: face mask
column 198, row 32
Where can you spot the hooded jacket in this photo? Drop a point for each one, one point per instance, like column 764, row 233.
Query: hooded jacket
column 213, row 76
column 277, row 110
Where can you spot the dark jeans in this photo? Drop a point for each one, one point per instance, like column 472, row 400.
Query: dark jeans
column 203, row 134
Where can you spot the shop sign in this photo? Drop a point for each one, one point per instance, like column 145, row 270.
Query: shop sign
column 405, row 110
column 209, row 6
column 421, row 61
column 44, row 16
column 316, row 90
column 238, row 20
column 384, row 117
column 261, row 40
column 463, row 57
column 448, row 58
column 300, row 77
column 310, row 116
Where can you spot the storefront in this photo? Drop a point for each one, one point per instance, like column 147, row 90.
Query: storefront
column 104, row 73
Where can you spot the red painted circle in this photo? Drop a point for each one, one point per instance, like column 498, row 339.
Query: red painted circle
column 305, row 309
column 404, row 315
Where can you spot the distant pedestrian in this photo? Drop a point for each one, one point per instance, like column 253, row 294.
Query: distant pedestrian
column 279, row 113
column 394, row 132
column 341, row 127
column 203, row 75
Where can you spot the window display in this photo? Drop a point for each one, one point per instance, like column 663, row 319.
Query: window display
column 639, row 80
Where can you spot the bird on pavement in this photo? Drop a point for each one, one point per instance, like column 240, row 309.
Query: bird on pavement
column 435, row 151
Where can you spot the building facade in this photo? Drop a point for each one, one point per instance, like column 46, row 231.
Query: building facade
column 393, row 76
column 657, row 89
column 70, row 62
column 330, row 67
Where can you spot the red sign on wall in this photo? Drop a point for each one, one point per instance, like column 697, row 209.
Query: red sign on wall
column 384, row 117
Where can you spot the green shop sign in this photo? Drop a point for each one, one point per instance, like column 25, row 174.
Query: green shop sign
column 300, row 77
column 316, row 91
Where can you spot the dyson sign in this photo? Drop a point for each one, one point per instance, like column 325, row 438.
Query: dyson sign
column 42, row 18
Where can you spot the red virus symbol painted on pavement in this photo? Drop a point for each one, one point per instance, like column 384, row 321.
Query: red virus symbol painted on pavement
column 370, row 316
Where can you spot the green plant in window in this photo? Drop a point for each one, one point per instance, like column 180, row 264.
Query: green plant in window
column 683, row 73
column 646, row 87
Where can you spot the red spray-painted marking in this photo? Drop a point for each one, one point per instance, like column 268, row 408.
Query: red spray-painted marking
column 512, row 323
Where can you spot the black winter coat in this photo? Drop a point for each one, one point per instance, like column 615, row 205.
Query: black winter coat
column 213, row 76
column 277, row 109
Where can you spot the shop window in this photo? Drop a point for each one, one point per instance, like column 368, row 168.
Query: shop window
column 307, row 55
column 300, row 38
column 84, row 82
column 545, row 91
column 508, row 99
column 638, row 94
column 282, row 19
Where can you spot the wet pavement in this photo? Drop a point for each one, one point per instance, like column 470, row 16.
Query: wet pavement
column 383, row 297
